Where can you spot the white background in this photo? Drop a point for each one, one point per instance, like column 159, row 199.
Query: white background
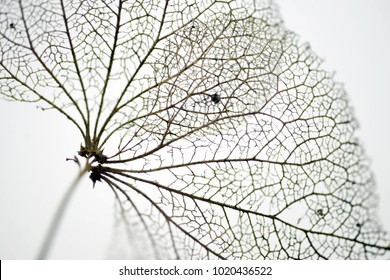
column 351, row 35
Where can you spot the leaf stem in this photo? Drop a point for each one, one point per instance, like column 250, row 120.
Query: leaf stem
column 59, row 214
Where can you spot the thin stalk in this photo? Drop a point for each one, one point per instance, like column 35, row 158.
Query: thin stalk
column 59, row 214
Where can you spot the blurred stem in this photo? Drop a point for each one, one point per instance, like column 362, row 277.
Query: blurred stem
column 55, row 223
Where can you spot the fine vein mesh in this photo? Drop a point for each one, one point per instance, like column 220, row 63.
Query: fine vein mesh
column 224, row 137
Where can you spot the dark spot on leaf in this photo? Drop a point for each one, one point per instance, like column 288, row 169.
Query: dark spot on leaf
column 215, row 98
column 96, row 174
column 83, row 151
column 320, row 212
column 12, row 25
column 100, row 157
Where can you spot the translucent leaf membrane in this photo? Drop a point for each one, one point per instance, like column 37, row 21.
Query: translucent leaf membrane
column 224, row 137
